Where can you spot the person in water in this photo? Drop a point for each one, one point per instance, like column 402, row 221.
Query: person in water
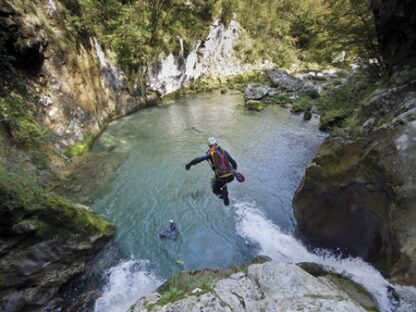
column 223, row 166
column 170, row 233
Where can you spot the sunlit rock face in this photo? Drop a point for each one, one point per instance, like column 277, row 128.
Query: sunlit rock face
column 212, row 57
column 264, row 287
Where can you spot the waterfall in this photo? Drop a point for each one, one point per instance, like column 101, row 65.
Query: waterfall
column 280, row 246
column 126, row 282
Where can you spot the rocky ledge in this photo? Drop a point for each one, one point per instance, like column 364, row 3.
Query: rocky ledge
column 359, row 193
column 44, row 242
column 260, row 287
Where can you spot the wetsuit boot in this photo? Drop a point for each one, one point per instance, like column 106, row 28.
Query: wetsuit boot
column 224, row 196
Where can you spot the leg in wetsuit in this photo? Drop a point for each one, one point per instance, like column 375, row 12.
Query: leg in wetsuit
column 219, row 188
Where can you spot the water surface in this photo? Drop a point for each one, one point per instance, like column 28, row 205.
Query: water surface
column 272, row 149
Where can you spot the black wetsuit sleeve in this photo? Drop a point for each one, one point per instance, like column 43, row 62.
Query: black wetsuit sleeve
column 197, row 160
column 232, row 161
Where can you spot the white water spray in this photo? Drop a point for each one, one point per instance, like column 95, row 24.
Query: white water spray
column 126, row 283
column 280, row 246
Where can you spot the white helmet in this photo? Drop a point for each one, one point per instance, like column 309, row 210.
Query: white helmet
column 212, row 141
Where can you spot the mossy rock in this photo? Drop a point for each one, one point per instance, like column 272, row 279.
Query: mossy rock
column 48, row 240
column 332, row 119
column 354, row 290
column 254, row 105
column 302, row 104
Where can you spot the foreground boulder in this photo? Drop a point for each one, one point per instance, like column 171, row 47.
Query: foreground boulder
column 263, row 287
column 44, row 241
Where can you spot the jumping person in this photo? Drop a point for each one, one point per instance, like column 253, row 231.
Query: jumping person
column 223, row 166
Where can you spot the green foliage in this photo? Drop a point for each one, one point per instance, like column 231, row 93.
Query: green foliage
column 411, row 117
column 171, row 293
column 342, row 25
column 303, row 103
column 283, row 31
column 226, row 12
column 79, row 149
column 339, row 106
column 254, row 105
column 17, row 117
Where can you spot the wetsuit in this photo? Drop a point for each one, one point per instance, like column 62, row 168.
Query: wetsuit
column 219, row 184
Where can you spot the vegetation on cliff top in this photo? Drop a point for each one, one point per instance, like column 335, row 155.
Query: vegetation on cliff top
column 283, row 31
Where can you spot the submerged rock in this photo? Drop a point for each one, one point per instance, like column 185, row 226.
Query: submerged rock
column 254, row 105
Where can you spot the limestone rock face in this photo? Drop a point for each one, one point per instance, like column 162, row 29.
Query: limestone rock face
column 212, row 57
column 270, row 286
column 359, row 194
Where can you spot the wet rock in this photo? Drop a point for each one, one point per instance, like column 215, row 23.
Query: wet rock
column 307, row 115
column 284, row 81
column 310, row 90
column 312, row 268
column 256, row 92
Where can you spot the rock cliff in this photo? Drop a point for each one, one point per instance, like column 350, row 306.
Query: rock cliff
column 212, row 57
column 358, row 195
column 395, row 23
column 44, row 241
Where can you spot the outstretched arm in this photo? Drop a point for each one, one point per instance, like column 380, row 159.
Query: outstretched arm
column 196, row 161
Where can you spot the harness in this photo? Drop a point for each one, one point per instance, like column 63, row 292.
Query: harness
column 220, row 163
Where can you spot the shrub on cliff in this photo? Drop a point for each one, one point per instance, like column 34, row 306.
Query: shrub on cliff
column 20, row 124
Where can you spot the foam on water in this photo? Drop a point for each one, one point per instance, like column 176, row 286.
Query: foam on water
column 280, row 246
column 126, row 282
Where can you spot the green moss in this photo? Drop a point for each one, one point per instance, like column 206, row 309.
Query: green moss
column 279, row 99
column 339, row 107
column 79, row 149
column 23, row 201
column 358, row 293
column 302, row 104
column 17, row 116
column 411, row 117
column 243, row 268
column 254, row 105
